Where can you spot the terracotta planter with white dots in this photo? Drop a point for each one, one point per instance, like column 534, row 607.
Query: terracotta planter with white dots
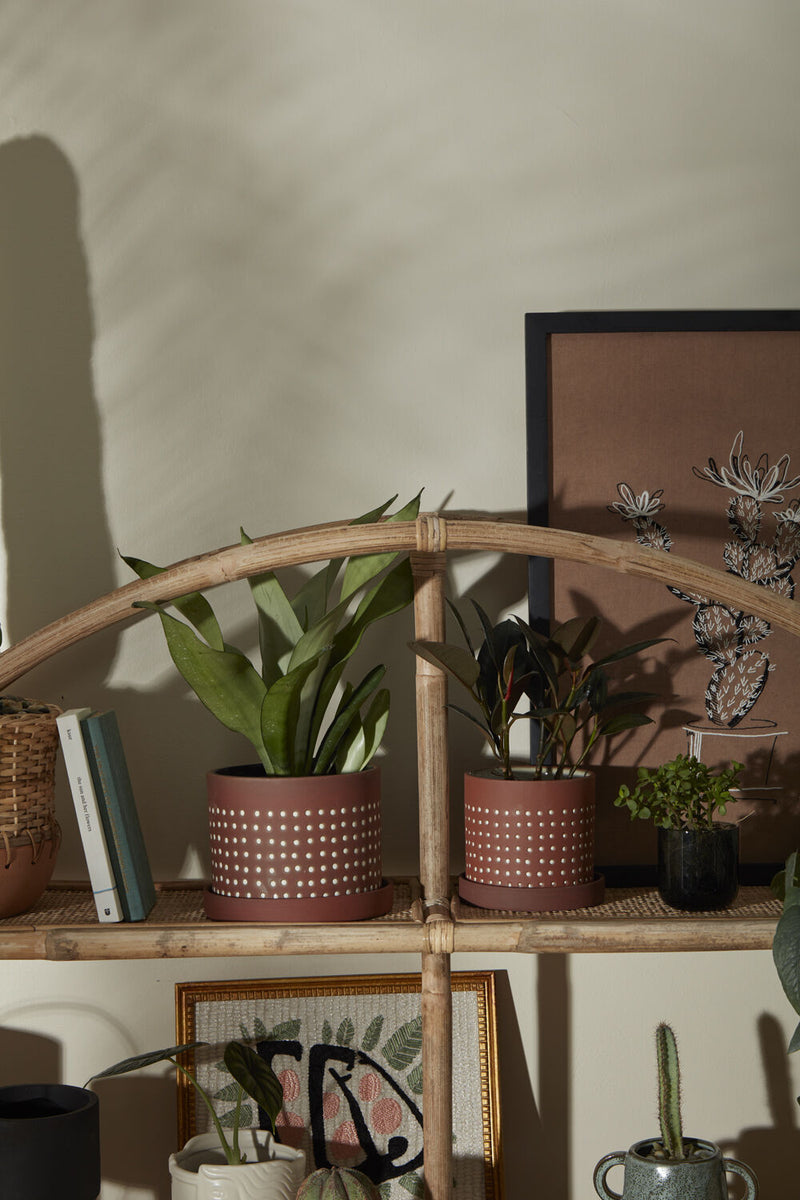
column 529, row 843
column 295, row 849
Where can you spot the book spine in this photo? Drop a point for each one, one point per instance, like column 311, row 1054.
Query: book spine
column 95, row 849
column 118, row 814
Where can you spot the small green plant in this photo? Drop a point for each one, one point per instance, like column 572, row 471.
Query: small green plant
column 337, row 1183
column 568, row 695
column 253, row 1075
column 286, row 708
column 669, row 1095
column 681, row 794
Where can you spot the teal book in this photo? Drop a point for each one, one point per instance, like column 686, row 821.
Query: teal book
column 118, row 814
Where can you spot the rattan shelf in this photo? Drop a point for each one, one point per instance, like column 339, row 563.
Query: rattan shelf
column 427, row 917
column 63, row 927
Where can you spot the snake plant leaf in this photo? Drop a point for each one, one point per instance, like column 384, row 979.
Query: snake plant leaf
column 256, row 1077
column 278, row 626
column 454, row 659
column 358, row 747
column 311, row 601
column 390, row 595
column 360, row 570
column 225, row 681
column 341, row 723
column 193, row 606
column 280, row 709
column 144, row 1060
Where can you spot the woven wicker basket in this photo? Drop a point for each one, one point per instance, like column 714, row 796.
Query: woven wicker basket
column 28, row 748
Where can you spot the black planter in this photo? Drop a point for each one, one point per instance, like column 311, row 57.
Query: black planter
column 49, row 1142
column 698, row 869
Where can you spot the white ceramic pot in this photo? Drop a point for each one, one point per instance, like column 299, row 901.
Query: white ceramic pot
column 272, row 1171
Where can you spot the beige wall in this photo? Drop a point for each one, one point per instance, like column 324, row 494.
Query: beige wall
column 266, row 263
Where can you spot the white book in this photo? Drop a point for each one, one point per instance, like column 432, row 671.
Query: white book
column 101, row 875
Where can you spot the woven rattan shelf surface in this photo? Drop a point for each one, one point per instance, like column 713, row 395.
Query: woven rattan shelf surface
column 630, row 919
column 63, row 926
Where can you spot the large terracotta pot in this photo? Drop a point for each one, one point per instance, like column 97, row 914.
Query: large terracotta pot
column 49, row 1142
column 295, row 849
column 272, row 1171
column 529, row 842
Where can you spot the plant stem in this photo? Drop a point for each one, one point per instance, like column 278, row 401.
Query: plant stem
column 230, row 1154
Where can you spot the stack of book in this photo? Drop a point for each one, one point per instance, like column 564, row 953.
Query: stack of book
column 115, row 852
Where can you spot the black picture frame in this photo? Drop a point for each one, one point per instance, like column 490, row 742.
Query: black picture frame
column 540, row 329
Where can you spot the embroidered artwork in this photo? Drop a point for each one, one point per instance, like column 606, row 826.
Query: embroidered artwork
column 348, row 1053
column 764, row 549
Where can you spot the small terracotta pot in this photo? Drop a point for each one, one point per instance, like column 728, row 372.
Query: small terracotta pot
column 295, row 849
column 529, row 842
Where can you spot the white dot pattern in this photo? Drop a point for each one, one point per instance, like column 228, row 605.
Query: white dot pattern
column 294, row 853
column 524, row 848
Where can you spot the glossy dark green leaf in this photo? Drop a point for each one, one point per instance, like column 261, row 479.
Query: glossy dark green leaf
column 145, row 1060
column 256, row 1077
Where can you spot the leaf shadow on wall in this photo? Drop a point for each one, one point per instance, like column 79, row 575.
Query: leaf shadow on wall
column 59, row 548
column 771, row 1151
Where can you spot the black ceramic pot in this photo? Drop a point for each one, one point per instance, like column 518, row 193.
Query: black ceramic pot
column 698, row 869
column 49, row 1142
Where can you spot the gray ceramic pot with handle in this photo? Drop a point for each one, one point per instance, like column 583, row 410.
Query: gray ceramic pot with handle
column 699, row 1178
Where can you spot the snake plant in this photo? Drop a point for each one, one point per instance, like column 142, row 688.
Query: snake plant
column 288, row 709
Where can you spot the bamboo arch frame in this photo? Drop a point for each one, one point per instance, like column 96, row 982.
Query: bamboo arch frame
column 430, row 533
column 426, row 540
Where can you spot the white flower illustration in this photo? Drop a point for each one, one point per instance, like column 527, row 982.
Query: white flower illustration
column 761, row 481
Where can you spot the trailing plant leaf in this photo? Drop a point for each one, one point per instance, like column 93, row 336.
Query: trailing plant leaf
column 144, row 1060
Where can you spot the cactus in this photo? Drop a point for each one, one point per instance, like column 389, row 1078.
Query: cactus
column 669, row 1093
column 725, row 636
column 337, row 1183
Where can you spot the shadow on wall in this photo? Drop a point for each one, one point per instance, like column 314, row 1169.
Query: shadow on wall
column 534, row 1131
column 773, row 1151
column 28, row 1058
column 60, row 553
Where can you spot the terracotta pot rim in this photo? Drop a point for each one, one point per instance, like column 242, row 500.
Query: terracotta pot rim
column 490, row 773
column 256, row 773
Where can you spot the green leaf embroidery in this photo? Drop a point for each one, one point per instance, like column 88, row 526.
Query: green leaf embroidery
column 413, row 1184
column 404, row 1045
column 327, row 1032
column 414, row 1079
column 345, row 1032
column 286, row 1031
column 373, row 1032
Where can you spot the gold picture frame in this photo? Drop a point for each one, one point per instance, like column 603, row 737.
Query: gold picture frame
column 348, row 1050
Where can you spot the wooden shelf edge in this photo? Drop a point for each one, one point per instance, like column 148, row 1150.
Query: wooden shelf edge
column 617, row 936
